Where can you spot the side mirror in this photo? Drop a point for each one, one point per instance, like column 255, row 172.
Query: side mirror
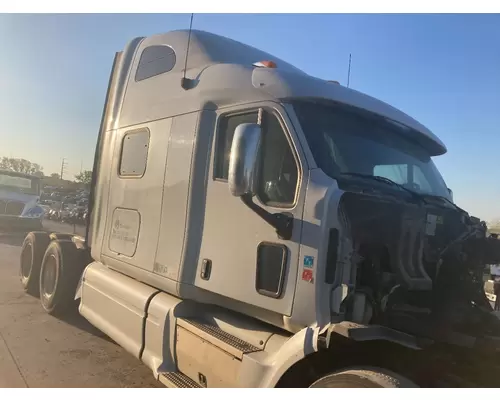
column 243, row 159
column 241, row 176
column 451, row 193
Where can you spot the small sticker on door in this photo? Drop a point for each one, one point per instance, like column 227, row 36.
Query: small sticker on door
column 307, row 275
column 308, row 261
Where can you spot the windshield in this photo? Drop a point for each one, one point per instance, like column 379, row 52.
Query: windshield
column 19, row 184
column 345, row 142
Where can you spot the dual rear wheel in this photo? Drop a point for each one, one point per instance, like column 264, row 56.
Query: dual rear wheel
column 51, row 266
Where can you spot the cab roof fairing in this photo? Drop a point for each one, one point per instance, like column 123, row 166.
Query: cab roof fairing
column 285, row 85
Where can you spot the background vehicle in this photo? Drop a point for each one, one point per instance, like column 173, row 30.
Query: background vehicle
column 64, row 213
column 19, row 201
column 253, row 226
column 76, row 215
column 52, row 212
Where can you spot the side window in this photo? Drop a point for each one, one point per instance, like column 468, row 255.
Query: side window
column 278, row 171
column 134, row 154
column 155, row 60
column 225, row 138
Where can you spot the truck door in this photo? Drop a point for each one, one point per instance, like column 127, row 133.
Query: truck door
column 241, row 256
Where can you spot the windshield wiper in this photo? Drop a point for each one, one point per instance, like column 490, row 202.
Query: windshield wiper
column 446, row 200
column 387, row 181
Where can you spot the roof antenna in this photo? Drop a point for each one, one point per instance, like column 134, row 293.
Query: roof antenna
column 185, row 81
column 349, row 71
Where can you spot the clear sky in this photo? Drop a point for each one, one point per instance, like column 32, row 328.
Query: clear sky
column 443, row 70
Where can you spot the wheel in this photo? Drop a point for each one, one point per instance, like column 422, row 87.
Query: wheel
column 32, row 251
column 363, row 378
column 59, row 276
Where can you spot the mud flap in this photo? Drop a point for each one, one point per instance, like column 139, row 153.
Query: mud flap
column 78, row 293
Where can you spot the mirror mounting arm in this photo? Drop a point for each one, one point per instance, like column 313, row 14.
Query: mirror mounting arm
column 281, row 222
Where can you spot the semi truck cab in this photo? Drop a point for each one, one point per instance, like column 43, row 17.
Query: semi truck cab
column 253, row 226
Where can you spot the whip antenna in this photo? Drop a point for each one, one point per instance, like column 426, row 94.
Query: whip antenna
column 349, row 71
column 184, row 80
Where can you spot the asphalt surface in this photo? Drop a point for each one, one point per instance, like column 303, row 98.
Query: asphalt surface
column 38, row 350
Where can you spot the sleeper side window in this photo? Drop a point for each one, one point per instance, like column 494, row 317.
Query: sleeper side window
column 155, row 60
column 134, row 154
column 278, row 171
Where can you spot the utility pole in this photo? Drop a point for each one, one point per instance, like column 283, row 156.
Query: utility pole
column 63, row 167
column 81, row 166
column 349, row 71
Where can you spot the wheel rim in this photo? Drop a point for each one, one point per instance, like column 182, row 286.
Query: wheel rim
column 26, row 261
column 49, row 276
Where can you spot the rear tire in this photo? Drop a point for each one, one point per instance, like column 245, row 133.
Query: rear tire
column 363, row 378
column 60, row 273
column 32, row 252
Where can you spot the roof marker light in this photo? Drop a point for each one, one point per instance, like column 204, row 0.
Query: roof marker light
column 265, row 64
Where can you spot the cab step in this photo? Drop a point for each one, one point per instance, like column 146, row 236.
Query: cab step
column 177, row 380
column 216, row 336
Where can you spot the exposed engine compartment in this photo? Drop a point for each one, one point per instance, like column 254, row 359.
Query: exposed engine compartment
column 419, row 264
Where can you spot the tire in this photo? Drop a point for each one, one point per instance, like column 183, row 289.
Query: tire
column 363, row 378
column 32, row 252
column 59, row 276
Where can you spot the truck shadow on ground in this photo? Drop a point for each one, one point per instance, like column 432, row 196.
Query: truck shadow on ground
column 73, row 318
column 12, row 238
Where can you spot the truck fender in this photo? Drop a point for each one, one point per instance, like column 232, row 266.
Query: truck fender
column 292, row 351
column 363, row 333
column 315, row 339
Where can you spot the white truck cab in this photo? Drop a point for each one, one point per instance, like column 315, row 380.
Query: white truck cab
column 253, row 226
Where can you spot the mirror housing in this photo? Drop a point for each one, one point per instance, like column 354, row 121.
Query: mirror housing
column 243, row 159
column 451, row 193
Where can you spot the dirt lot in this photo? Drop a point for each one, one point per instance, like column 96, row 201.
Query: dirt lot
column 37, row 350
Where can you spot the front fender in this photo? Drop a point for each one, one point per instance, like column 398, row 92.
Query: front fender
column 313, row 340
column 295, row 349
column 363, row 333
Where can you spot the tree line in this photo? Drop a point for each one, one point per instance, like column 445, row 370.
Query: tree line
column 27, row 167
